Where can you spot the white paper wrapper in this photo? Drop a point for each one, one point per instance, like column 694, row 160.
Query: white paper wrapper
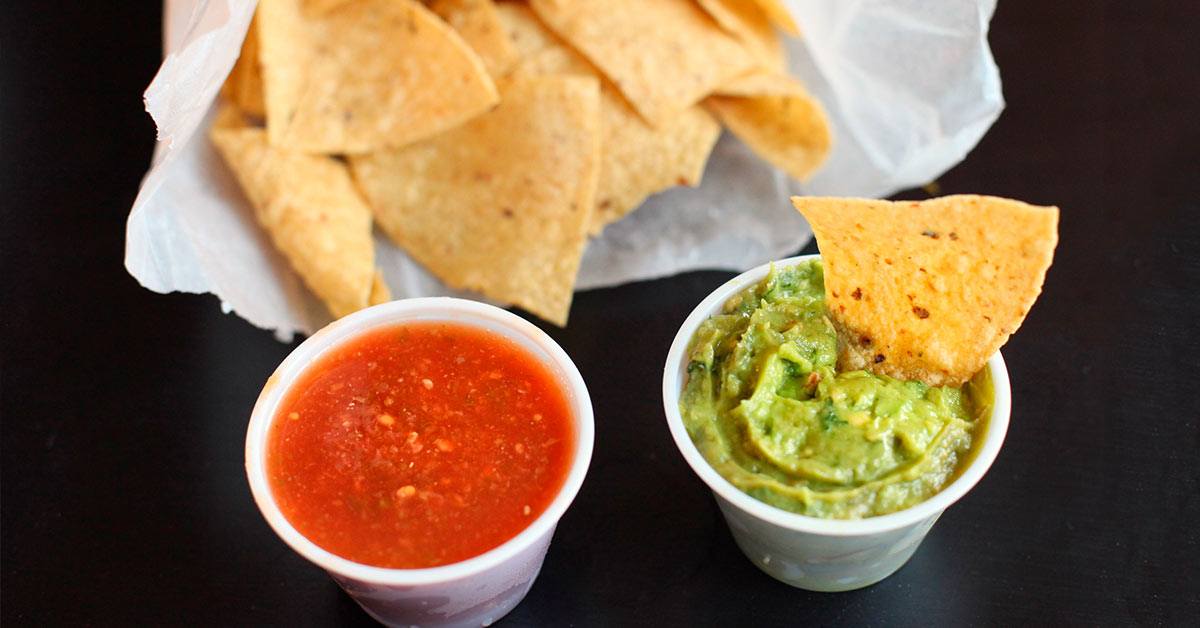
column 910, row 87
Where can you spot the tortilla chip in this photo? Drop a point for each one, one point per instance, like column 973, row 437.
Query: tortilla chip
column 762, row 83
column 929, row 290
column 365, row 75
column 380, row 293
column 229, row 117
column 636, row 159
column 749, row 23
column 322, row 6
column 479, row 25
column 779, row 15
column 244, row 87
column 311, row 210
column 664, row 55
column 525, row 31
column 501, row 204
column 789, row 131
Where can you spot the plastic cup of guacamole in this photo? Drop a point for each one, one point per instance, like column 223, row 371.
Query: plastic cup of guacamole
column 828, row 481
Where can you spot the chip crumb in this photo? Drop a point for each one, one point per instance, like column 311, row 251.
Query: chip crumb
column 444, row 445
column 386, row 419
column 427, row 383
column 527, row 510
column 295, row 416
column 407, row 490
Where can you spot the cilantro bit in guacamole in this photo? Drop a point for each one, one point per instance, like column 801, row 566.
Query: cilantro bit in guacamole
column 766, row 407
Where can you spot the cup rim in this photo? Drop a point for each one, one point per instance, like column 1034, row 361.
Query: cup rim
column 996, row 429
column 459, row 311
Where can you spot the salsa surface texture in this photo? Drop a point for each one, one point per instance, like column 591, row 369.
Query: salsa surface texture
column 419, row 445
column 767, row 408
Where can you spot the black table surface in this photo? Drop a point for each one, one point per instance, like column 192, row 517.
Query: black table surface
column 124, row 411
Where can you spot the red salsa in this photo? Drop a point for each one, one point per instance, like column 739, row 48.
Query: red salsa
column 419, row 445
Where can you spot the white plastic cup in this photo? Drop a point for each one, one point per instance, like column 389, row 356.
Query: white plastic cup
column 809, row 552
column 473, row 592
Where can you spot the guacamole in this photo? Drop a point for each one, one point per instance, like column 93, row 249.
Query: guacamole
column 768, row 409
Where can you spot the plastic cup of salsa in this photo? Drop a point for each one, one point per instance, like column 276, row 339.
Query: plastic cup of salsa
column 472, row 592
column 808, row 552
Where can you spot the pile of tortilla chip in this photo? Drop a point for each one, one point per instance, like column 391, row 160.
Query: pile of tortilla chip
column 491, row 139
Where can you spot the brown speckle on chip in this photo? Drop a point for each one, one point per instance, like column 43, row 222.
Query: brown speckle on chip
column 930, row 234
column 857, row 294
column 508, row 212
column 920, row 311
column 864, row 340
column 879, row 358
column 953, row 235
column 682, row 181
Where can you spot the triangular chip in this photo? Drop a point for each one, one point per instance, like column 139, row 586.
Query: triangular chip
column 789, row 131
column 380, row 293
column 501, row 204
column 244, row 86
column 664, row 55
column 929, row 290
column 749, row 23
column 311, row 210
column 365, row 75
column 779, row 15
column 479, row 25
column 636, row 159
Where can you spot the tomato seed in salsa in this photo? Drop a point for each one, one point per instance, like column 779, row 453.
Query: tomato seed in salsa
column 419, row 445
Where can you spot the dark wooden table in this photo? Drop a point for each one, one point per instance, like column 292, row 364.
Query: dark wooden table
column 123, row 411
